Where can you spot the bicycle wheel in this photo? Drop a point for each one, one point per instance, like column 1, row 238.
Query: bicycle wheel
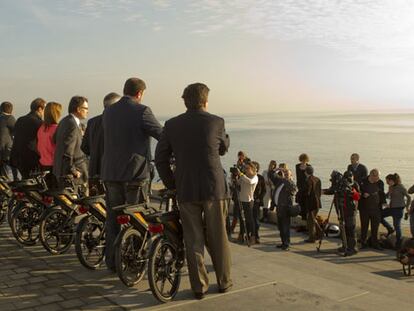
column 90, row 242
column 130, row 257
column 10, row 209
column 25, row 223
column 57, row 231
column 164, row 270
column 3, row 208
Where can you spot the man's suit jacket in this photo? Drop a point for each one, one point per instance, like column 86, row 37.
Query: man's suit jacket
column 7, row 123
column 93, row 145
column 128, row 127
column 197, row 139
column 24, row 153
column 68, row 154
column 313, row 193
column 360, row 173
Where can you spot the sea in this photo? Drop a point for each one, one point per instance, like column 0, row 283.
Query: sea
column 383, row 141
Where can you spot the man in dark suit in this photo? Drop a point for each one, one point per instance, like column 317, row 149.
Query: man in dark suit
column 7, row 122
column 93, row 142
column 313, row 201
column 24, row 155
column 128, row 126
column 359, row 170
column 69, row 158
column 197, row 139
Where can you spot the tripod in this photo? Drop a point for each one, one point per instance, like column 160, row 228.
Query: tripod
column 340, row 214
column 245, row 236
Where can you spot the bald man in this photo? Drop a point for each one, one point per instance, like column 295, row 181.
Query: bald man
column 372, row 198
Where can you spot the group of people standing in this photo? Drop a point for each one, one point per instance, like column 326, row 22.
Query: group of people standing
column 275, row 189
column 115, row 148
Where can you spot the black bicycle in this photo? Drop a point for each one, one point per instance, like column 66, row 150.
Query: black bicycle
column 6, row 195
column 57, row 225
column 167, row 252
column 131, row 245
column 90, row 233
column 29, row 202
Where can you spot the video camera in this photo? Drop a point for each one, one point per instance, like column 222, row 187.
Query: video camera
column 341, row 182
column 236, row 169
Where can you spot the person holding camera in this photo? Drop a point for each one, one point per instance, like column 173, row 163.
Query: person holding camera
column 248, row 182
column 242, row 159
column 312, row 198
column 346, row 196
column 284, row 195
column 197, row 139
column 410, row 213
column 267, row 200
column 259, row 194
column 370, row 205
column 399, row 200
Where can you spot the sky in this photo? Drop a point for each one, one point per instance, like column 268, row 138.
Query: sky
column 256, row 56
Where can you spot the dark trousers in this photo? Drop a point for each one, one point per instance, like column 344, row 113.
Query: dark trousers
column 248, row 218
column 367, row 215
column 117, row 193
column 350, row 225
column 311, row 219
column 256, row 219
column 397, row 215
column 283, row 223
column 205, row 221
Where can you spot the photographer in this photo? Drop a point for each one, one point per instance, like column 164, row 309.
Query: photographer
column 259, row 194
column 267, row 200
column 284, row 194
column 242, row 159
column 346, row 194
column 247, row 182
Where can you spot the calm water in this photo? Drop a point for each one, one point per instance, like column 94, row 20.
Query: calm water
column 382, row 140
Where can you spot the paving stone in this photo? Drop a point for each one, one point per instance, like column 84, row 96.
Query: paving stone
column 37, row 279
column 20, row 270
column 18, row 276
column 49, row 307
column 50, row 299
column 23, row 304
column 72, row 303
column 14, row 283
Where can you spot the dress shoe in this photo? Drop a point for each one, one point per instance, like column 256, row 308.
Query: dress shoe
column 279, row 245
column 225, row 290
column 285, row 248
column 199, row 296
column 390, row 232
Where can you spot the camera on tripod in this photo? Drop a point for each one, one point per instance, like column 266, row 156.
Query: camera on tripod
column 341, row 182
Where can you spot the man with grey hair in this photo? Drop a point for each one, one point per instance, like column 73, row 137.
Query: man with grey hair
column 93, row 140
column 370, row 205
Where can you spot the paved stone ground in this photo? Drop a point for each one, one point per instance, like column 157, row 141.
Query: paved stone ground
column 264, row 278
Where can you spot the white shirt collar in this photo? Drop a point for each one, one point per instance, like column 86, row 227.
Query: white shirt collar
column 77, row 120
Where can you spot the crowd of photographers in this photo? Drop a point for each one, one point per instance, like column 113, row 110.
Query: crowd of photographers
column 356, row 190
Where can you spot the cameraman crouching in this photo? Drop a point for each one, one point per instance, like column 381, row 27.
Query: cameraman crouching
column 346, row 195
column 247, row 182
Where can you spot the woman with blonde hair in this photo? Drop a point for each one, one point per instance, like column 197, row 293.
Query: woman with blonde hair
column 45, row 145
